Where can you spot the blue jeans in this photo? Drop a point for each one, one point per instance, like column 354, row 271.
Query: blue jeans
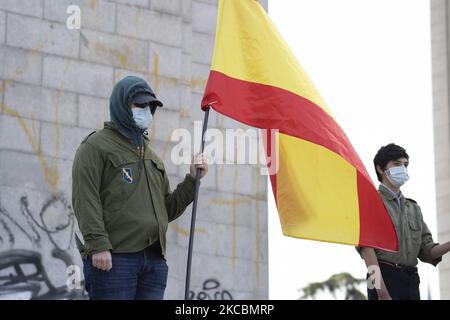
column 134, row 276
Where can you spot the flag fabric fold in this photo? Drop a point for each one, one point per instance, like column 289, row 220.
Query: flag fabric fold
column 322, row 189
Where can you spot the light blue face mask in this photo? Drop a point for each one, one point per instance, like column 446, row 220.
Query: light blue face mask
column 142, row 117
column 397, row 175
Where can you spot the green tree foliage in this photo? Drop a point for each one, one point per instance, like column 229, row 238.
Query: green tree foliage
column 337, row 282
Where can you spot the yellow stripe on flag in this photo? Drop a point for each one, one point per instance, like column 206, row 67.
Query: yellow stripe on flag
column 317, row 195
column 257, row 47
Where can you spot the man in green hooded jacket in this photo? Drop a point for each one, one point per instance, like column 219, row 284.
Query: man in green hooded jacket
column 122, row 200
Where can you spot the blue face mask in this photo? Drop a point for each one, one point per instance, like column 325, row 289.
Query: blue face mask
column 142, row 117
column 397, row 175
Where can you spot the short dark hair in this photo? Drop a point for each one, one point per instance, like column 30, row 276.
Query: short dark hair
column 386, row 154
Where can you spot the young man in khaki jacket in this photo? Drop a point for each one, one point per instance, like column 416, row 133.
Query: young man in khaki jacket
column 395, row 274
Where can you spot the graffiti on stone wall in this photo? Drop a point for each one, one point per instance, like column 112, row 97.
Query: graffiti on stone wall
column 211, row 291
column 55, row 221
column 17, row 283
column 23, row 275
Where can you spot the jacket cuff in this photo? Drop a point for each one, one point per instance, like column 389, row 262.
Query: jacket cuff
column 190, row 178
column 425, row 254
column 189, row 183
column 435, row 261
column 98, row 245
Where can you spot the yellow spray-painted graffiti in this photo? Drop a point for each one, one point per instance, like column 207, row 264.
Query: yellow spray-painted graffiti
column 155, row 71
column 112, row 54
column 186, row 232
column 51, row 174
column 155, row 89
column 92, row 4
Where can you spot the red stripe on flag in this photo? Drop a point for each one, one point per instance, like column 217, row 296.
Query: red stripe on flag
column 371, row 222
column 265, row 106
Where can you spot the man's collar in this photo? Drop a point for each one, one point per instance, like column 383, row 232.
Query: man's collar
column 111, row 125
column 388, row 192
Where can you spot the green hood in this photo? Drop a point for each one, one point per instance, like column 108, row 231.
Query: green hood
column 119, row 107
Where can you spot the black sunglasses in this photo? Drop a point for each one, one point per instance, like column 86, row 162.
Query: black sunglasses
column 147, row 104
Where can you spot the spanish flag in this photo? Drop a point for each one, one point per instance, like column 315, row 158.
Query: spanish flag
column 322, row 189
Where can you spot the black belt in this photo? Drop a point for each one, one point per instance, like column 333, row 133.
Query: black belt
column 155, row 246
column 400, row 267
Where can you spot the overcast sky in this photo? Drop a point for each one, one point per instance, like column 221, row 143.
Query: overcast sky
column 371, row 62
